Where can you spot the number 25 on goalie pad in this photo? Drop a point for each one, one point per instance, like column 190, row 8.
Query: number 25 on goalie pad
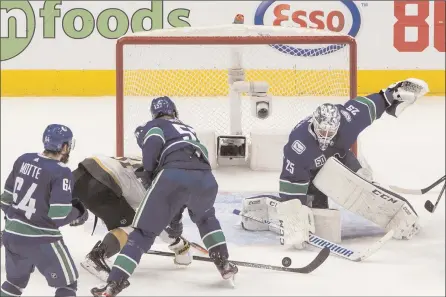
column 386, row 209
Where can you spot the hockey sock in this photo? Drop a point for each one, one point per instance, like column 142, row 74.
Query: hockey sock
column 126, row 262
column 213, row 237
column 114, row 241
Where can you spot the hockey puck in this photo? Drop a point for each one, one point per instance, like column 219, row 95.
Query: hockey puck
column 286, row 262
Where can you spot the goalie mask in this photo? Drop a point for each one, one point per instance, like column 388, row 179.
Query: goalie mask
column 326, row 121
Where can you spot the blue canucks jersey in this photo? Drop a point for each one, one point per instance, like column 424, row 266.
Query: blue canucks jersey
column 169, row 143
column 302, row 156
column 37, row 199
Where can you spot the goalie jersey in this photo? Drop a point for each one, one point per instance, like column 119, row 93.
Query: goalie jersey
column 118, row 174
column 302, row 156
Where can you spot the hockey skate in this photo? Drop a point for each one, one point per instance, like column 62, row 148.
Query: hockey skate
column 227, row 269
column 110, row 289
column 95, row 262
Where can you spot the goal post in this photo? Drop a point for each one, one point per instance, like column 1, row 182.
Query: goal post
column 193, row 65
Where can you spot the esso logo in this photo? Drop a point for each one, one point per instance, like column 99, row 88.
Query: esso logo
column 336, row 16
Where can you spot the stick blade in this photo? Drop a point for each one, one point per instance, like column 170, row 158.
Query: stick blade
column 375, row 247
column 320, row 258
column 429, row 206
column 406, row 191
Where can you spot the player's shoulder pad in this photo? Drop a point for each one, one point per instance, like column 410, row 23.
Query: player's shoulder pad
column 60, row 170
column 27, row 156
column 139, row 131
column 62, row 164
column 64, row 170
column 144, row 131
column 147, row 126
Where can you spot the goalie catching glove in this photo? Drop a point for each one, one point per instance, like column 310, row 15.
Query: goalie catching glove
column 404, row 93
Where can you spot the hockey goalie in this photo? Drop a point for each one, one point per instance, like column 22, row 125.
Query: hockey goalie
column 111, row 189
column 318, row 164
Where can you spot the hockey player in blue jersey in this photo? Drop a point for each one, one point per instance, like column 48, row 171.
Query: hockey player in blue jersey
column 37, row 201
column 330, row 132
column 178, row 172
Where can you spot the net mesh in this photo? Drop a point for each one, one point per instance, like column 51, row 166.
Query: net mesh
column 300, row 76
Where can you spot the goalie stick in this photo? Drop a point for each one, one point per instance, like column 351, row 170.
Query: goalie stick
column 335, row 248
column 320, row 258
column 417, row 191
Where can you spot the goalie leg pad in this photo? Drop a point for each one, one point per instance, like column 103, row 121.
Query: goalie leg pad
column 327, row 224
column 386, row 209
column 404, row 223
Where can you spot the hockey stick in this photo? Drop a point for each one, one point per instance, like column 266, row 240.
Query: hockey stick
column 196, row 246
column 336, row 249
column 199, row 248
column 429, row 206
column 320, row 258
column 205, row 251
column 417, row 191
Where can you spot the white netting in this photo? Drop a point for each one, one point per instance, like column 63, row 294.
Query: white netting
column 196, row 76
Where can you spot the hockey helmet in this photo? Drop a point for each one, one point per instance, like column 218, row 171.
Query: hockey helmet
column 55, row 137
column 163, row 106
column 326, row 121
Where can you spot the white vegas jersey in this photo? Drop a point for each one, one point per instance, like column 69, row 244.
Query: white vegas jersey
column 122, row 171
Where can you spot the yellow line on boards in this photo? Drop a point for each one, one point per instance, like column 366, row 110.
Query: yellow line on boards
column 93, row 83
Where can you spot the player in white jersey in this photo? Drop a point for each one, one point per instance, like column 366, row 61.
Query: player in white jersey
column 110, row 188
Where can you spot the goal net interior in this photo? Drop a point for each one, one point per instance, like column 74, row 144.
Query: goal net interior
column 303, row 68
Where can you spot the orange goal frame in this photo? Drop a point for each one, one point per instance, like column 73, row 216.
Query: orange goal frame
column 216, row 40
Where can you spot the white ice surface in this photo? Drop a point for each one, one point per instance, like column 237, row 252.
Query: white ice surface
column 408, row 152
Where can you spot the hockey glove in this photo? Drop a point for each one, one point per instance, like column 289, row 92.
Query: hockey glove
column 83, row 217
column 402, row 94
column 144, row 177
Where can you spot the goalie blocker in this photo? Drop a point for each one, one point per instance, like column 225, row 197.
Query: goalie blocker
column 296, row 220
column 383, row 207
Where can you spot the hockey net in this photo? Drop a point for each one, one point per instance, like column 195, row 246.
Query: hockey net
column 302, row 67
